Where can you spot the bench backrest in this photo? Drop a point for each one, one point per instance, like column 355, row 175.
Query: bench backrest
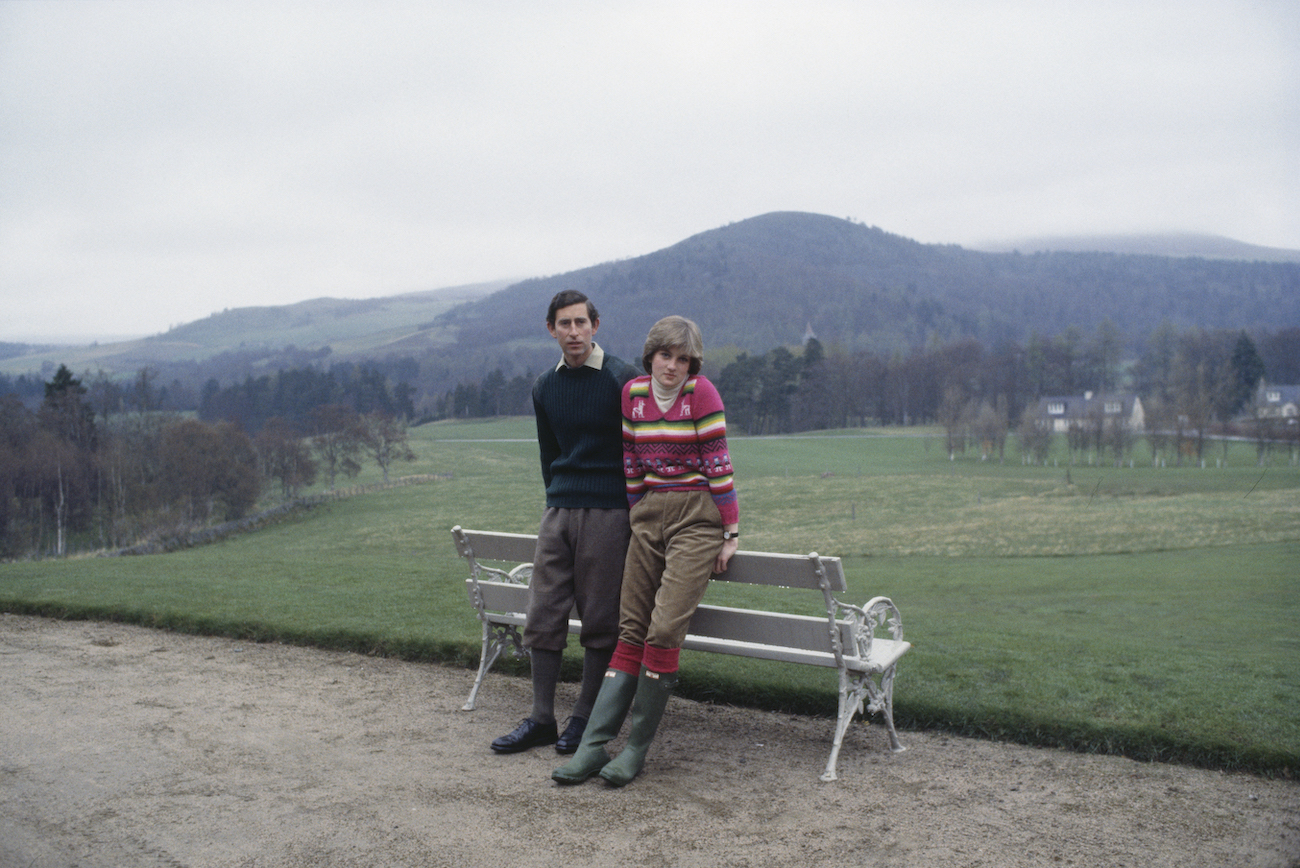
column 754, row 568
column 483, row 545
column 827, row 639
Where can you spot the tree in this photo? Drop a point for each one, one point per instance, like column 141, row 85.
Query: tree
column 1161, row 422
column 1154, row 372
column 208, row 470
column 989, row 426
column 18, row 430
column 1247, row 369
column 952, row 416
column 739, row 385
column 1103, row 356
column 66, row 412
column 1280, row 352
column 336, row 437
column 386, row 440
column 285, row 457
column 66, row 456
column 145, row 396
column 1035, row 438
column 1196, row 370
column 778, row 380
column 491, row 394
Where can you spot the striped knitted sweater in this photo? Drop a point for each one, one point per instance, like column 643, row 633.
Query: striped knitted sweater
column 684, row 449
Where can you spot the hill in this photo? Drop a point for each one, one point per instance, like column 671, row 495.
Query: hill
column 764, row 281
column 1181, row 245
column 751, row 285
column 343, row 328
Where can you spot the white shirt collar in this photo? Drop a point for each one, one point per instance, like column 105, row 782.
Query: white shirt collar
column 595, row 359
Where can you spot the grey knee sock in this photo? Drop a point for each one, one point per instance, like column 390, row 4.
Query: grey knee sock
column 546, row 674
column 594, row 663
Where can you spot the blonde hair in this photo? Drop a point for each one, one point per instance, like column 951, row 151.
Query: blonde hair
column 671, row 333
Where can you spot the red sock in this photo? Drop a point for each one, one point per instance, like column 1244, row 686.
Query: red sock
column 662, row 660
column 627, row 658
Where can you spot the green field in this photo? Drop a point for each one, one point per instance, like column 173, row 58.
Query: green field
column 1147, row 611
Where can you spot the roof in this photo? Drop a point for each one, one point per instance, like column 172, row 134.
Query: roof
column 1081, row 406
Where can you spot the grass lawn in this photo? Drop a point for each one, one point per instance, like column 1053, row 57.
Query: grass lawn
column 1146, row 611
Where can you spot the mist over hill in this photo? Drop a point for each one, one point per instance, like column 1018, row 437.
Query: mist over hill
column 752, row 286
column 1181, row 245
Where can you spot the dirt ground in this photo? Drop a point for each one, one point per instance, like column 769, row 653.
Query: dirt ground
column 122, row 746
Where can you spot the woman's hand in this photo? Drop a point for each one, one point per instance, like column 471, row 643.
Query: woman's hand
column 729, row 547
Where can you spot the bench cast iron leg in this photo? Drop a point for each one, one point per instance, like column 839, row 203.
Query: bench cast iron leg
column 853, row 693
column 492, row 646
column 850, row 704
column 885, row 705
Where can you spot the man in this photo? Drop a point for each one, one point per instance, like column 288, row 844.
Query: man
column 584, row 531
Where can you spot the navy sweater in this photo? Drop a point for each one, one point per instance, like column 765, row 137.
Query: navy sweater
column 580, row 433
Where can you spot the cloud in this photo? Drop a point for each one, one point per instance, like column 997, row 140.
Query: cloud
column 161, row 161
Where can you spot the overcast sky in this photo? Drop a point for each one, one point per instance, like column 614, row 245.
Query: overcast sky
column 160, row 161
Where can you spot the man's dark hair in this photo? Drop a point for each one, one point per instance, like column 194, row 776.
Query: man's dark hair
column 566, row 298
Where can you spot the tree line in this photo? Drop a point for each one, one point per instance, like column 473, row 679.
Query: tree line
column 1189, row 381
column 110, row 463
column 71, row 471
column 292, row 394
column 781, row 391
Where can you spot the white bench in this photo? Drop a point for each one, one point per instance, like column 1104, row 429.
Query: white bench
column 842, row 639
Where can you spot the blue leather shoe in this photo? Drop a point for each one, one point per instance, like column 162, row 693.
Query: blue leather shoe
column 528, row 734
column 572, row 735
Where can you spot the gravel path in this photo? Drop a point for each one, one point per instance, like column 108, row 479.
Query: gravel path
column 122, row 746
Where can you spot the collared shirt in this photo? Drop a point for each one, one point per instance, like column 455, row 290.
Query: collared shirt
column 595, row 359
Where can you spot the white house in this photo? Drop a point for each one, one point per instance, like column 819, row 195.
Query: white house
column 1062, row 411
column 1277, row 402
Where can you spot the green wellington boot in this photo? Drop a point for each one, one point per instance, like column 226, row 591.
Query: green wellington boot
column 652, row 692
column 606, row 719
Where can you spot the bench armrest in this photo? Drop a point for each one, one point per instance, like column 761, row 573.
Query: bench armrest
column 878, row 612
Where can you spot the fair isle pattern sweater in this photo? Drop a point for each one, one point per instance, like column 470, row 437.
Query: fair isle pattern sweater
column 684, row 449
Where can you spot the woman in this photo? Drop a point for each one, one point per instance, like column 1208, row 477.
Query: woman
column 685, row 521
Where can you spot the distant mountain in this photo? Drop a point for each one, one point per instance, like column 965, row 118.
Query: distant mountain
column 751, row 285
column 765, row 281
column 1202, row 246
column 350, row 329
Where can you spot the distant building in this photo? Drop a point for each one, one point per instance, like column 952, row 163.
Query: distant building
column 1061, row 412
column 1277, row 402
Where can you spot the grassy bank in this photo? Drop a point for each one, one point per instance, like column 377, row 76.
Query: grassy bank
column 1145, row 611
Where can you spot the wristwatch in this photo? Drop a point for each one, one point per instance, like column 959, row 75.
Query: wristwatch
column 731, row 534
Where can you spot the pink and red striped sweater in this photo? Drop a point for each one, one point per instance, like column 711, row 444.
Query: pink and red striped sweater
column 684, row 449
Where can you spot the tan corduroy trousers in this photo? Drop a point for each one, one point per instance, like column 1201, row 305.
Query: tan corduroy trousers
column 676, row 537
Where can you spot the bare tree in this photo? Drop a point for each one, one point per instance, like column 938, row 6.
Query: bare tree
column 386, row 440
column 1035, row 437
column 337, row 436
column 989, row 425
column 284, row 456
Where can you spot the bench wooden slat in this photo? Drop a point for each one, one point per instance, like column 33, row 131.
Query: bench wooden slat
column 500, row 596
column 782, row 571
column 754, row 568
column 490, row 546
column 884, row 653
column 766, row 628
